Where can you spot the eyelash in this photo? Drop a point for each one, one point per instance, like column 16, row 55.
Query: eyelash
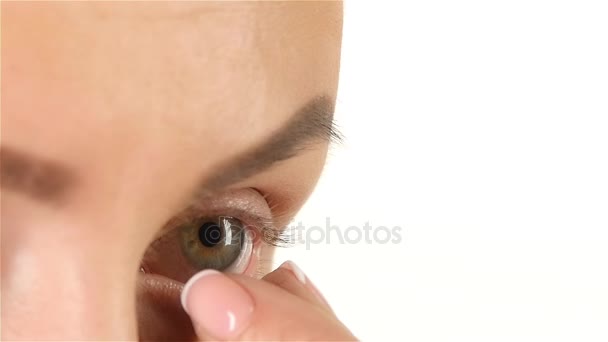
column 258, row 213
column 262, row 226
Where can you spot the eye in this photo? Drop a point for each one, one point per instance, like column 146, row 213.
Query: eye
column 233, row 231
column 215, row 243
column 223, row 243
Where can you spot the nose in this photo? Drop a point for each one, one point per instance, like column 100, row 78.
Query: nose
column 58, row 284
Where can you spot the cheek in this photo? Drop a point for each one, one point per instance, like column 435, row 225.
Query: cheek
column 69, row 283
column 160, row 315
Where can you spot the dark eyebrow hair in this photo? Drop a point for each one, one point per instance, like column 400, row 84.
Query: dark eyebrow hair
column 50, row 182
column 311, row 124
column 39, row 179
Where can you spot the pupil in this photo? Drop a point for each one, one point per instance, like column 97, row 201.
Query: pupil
column 210, row 234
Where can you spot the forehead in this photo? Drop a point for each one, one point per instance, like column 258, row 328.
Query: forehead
column 187, row 65
column 163, row 83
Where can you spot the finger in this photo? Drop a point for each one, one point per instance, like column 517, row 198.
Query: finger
column 291, row 278
column 159, row 315
column 235, row 307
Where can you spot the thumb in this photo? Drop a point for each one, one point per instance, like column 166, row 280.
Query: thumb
column 236, row 307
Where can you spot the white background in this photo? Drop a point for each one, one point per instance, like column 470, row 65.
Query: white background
column 480, row 128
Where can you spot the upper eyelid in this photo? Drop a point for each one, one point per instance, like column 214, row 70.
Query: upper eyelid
column 263, row 227
column 249, row 204
column 189, row 216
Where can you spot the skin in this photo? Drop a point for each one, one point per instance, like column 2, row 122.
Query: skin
column 140, row 101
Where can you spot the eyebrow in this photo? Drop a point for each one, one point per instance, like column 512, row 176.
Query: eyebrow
column 49, row 182
column 311, row 124
column 39, row 179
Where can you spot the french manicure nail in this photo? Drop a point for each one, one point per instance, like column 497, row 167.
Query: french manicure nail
column 297, row 272
column 217, row 304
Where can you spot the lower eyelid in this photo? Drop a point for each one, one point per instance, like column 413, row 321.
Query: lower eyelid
column 252, row 267
column 258, row 266
column 248, row 206
column 166, row 256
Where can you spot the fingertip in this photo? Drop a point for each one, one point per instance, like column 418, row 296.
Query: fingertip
column 188, row 286
column 218, row 306
column 297, row 271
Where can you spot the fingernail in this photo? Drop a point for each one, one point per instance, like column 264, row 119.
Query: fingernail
column 217, row 304
column 297, row 272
